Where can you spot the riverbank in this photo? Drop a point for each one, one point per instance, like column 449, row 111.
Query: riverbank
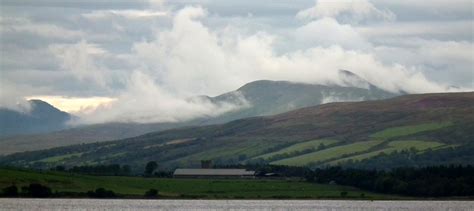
column 67, row 185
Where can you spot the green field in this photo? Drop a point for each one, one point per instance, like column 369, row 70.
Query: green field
column 247, row 149
column 58, row 159
column 391, row 147
column 314, row 144
column 409, row 130
column 182, row 188
column 327, row 154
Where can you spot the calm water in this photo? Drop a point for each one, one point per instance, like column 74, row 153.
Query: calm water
column 92, row 204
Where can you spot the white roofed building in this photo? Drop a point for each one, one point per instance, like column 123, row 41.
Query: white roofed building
column 213, row 173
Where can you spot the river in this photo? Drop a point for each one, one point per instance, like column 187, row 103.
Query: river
column 332, row 205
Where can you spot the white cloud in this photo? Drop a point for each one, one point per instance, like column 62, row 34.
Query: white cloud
column 11, row 97
column 188, row 54
column 129, row 14
column 446, row 29
column 191, row 59
column 81, row 60
column 355, row 10
column 74, row 104
column 23, row 25
column 450, row 62
column 144, row 101
column 440, row 7
column 218, row 62
column 327, row 32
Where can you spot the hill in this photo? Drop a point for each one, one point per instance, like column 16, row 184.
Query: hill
column 41, row 118
column 330, row 134
column 261, row 98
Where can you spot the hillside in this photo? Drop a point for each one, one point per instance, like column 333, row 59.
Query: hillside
column 41, row 118
column 329, row 134
column 262, row 97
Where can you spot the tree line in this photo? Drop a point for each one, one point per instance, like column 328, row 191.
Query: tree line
column 432, row 181
column 99, row 170
column 36, row 190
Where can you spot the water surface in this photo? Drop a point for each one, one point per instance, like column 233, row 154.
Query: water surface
column 333, row 205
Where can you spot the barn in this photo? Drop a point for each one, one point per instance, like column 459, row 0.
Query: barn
column 213, row 173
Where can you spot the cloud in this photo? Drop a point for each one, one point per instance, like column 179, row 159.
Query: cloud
column 81, row 60
column 154, row 65
column 11, row 97
column 74, row 104
column 327, row 32
column 23, row 25
column 447, row 61
column 130, row 14
column 458, row 29
column 144, row 101
column 217, row 60
column 353, row 10
column 191, row 59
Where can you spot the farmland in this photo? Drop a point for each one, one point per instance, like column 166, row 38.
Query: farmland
column 182, row 188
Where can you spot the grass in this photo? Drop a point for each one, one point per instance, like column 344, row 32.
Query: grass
column 360, row 150
column 249, row 149
column 409, row 130
column 392, row 147
column 60, row 158
column 327, row 154
column 183, row 188
column 300, row 147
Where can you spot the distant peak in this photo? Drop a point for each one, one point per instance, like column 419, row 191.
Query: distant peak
column 260, row 83
column 347, row 73
column 39, row 105
column 351, row 79
column 37, row 101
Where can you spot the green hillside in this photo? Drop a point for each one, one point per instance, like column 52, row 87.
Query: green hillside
column 327, row 154
column 393, row 147
column 329, row 134
column 300, row 148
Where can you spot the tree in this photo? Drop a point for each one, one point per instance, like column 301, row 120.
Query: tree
column 101, row 193
column 152, row 193
column 150, row 167
column 38, row 191
column 10, row 191
column 343, row 194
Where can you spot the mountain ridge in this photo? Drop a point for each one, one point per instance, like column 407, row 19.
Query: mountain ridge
column 258, row 98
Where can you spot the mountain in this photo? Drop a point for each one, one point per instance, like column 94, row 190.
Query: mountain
column 274, row 97
column 258, row 98
column 436, row 126
column 41, row 118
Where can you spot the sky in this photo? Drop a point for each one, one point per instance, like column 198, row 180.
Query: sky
column 142, row 60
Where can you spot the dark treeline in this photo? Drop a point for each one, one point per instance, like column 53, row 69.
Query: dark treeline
column 100, row 170
column 33, row 190
column 427, row 181
column 434, row 181
column 114, row 170
column 36, row 190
